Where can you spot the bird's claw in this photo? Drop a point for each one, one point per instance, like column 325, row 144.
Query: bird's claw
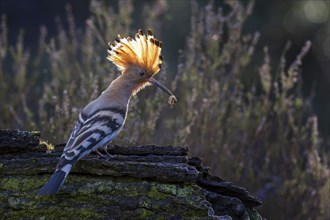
column 107, row 152
column 107, row 156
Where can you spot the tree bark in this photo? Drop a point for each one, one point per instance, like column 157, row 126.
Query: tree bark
column 140, row 182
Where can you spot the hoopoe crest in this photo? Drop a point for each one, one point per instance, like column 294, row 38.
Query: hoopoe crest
column 144, row 52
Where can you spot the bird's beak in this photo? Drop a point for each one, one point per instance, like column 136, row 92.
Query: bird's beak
column 172, row 99
column 156, row 83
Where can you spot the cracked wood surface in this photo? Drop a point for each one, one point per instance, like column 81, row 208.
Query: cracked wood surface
column 141, row 182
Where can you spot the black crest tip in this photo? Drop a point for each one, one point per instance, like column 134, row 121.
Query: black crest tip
column 140, row 32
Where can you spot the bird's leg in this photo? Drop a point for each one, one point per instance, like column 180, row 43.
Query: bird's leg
column 99, row 153
column 106, row 151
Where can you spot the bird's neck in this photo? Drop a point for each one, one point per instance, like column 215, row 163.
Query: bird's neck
column 120, row 91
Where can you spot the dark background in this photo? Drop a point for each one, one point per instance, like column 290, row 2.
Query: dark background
column 277, row 21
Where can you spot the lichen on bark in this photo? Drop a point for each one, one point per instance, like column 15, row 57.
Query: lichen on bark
column 142, row 182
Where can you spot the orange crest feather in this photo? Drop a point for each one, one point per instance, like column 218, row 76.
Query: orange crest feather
column 143, row 51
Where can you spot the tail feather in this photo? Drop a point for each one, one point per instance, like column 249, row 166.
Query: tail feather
column 54, row 183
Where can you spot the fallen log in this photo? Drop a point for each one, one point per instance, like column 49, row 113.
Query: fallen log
column 140, row 182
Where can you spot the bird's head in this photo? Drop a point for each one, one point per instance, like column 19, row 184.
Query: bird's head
column 138, row 59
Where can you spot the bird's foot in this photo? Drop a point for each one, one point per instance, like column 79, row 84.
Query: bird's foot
column 99, row 153
column 107, row 152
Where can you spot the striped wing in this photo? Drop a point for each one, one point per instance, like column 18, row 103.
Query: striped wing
column 90, row 133
column 76, row 129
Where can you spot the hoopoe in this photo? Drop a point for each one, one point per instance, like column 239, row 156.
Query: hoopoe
column 100, row 121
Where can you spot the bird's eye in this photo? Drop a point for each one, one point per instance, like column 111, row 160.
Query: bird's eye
column 141, row 73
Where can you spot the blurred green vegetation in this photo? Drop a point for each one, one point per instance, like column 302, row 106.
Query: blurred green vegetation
column 251, row 125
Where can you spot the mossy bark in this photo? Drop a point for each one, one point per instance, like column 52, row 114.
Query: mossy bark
column 147, row 182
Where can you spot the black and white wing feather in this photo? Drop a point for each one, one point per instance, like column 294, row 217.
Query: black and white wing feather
column 94, row 132
column 75, row 130
column 91, row 132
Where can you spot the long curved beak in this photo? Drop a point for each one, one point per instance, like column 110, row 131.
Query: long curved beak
column 156, row 83
column 172, row 99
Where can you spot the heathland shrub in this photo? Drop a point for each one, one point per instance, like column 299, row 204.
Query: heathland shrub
column 251, row 125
